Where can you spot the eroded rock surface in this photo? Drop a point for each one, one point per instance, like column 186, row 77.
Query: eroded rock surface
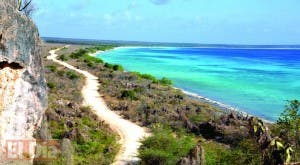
column 22, row 82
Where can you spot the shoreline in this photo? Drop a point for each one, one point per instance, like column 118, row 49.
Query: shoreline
column 96, row 53
column 205, row 47
column 222, row 106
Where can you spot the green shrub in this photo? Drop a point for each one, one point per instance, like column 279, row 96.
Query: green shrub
column 165, row 147
column 52, row 68
column 157, row 157
column 88, row 58
column 247, row 152
column 145, row 76
column 149, row 77
column 79, row 53
column 72, row 75
column 118, row 68
column 129, row 94
column 90, row 64
column 57, row 129
column 97, row 60
column 61, row 72
column 91, row 60
column 289, row 120
column 215, row 153
column 103, row 47
column 63, row 58
column 100, row 146
column 165, row 81
column 51, row 85
column 107, row 65
column 92, row 50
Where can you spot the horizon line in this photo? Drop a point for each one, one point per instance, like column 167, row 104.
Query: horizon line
column 132, row 42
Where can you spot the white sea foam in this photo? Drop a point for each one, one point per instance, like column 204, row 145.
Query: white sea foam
column 217, row 104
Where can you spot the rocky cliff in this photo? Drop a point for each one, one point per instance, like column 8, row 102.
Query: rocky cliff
column 22, row 82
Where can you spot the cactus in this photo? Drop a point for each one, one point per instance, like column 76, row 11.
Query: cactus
column 273, row 149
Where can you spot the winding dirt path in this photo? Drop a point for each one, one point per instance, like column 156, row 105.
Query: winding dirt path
column 129, row 132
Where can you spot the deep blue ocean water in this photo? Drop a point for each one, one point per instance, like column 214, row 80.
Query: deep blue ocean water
column 257, row 81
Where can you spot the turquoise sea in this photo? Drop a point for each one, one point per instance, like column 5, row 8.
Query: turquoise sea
column 255, row 80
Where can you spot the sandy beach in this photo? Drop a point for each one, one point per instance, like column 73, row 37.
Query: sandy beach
column 96, row 53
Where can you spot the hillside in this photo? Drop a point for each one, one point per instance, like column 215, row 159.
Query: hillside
column 223, row 136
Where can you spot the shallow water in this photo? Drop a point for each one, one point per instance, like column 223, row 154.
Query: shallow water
column 257, row 81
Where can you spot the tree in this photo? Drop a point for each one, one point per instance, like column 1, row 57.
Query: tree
column 26, row 6
column 289, row 122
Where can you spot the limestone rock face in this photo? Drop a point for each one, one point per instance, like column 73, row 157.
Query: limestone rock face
column 23, row 97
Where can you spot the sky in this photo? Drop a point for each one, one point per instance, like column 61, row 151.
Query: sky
column 258, row 22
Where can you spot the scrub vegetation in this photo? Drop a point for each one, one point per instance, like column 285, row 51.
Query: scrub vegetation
column 83, row 138
column 182, row 125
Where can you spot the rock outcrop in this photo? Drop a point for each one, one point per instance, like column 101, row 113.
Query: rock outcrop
column 195, row 157
column 23, row 96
